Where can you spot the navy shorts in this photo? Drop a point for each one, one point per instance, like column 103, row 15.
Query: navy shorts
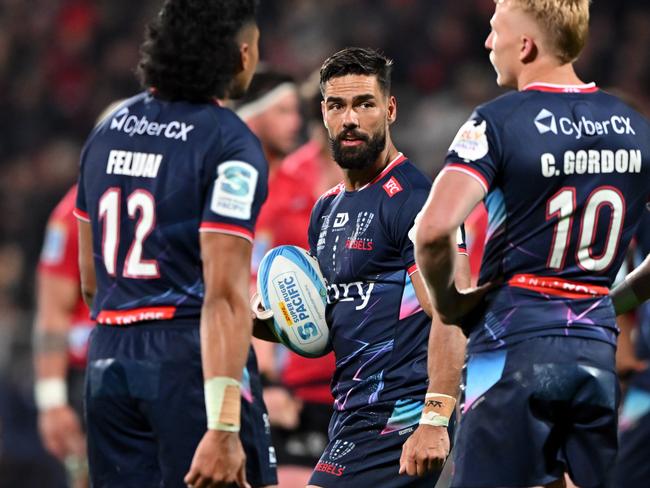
column 633, row 466
column 362, row 452
column 145, row 408
column 535, row 410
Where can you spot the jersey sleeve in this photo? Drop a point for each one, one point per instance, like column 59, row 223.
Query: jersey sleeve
column 313, row 231
column 239, row 187
column 404, row 220
column 475, row 150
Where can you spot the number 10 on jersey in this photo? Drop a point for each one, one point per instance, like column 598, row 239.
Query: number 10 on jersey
column 562, row 207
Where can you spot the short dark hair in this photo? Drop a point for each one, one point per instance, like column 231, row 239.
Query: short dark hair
column 357, row 61
column 190, row 51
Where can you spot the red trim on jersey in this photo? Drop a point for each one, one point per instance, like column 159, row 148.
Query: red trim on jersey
column 126, row 317
column 463, row 250
column 556, row 88
column 557, row 286
column 412, row 269
column 334, row 191
column 81, row 215
column 230, row 229
column 399, row 159
column 463, row 168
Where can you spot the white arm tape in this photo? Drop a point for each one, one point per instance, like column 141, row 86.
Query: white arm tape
column 50, row 393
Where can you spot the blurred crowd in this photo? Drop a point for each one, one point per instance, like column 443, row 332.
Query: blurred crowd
column 63, row 61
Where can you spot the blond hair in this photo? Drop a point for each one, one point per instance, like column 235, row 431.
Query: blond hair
column 565, row 24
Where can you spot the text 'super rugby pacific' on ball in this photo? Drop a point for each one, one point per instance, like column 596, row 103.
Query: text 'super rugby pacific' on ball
column 290, row 284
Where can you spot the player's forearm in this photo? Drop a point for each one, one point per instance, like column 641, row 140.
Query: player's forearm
column 634, row 290
column 446, row 358
column 435, row 254
column 226, row 329
column 51, row 366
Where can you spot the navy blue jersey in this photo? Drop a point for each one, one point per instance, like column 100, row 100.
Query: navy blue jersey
column 566, row 175
column 378, row 329
column 153, row 174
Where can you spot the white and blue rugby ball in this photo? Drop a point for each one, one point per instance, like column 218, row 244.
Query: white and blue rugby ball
column 290, row 284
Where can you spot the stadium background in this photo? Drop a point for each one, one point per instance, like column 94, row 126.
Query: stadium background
column 63, row 61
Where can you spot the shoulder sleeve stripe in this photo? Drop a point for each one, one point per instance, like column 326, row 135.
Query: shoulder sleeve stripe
column 81, row 215
column 470, row 172
column 230, row 229
column 412, row 269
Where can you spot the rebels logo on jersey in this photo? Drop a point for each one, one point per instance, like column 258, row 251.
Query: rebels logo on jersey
column 378, row 328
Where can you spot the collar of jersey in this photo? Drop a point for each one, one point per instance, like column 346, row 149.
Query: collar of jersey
column 399, row 159
column 556, row 88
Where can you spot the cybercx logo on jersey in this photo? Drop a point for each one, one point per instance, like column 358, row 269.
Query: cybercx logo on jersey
column 546, row 122
column 357, row 240
column 132, row 125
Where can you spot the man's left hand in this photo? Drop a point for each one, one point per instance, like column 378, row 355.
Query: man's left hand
column 426, row 450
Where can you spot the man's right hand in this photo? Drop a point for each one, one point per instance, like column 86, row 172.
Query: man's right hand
column 61, row 432
column 218, row 461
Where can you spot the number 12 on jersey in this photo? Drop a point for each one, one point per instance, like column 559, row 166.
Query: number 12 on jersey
column 140, row 204
column 562, row 206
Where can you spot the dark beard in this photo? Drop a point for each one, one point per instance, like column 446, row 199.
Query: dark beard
column 359, row 157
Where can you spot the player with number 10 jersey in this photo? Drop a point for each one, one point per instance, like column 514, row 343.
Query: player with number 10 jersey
column 563, row 169
column 564, row 196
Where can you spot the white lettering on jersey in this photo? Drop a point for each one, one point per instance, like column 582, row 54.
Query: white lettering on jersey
column 545, row 121
column 234, row 190
column 592, row 162
column 137, row 164
column 471, row 141
column 344, row 292
column 132, row 125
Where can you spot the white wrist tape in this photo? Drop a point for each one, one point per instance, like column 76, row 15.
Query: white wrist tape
column 50, row 393
column 258, row 309
column 438, row 409
column 435, row 419
column 223, row 403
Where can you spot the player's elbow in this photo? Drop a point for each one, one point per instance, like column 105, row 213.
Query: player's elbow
column 88, row 295
column 433, row 234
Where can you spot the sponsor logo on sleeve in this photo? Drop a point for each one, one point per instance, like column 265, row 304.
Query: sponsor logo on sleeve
column 234, row 190
column 471, row 141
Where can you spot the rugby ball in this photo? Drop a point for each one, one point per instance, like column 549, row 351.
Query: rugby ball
column 291, row 285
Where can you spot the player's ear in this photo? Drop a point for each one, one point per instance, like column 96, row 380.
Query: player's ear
column 248, row 38
column 244, row 55
column 323, row 110
column 527, row 49
column 391, row 109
